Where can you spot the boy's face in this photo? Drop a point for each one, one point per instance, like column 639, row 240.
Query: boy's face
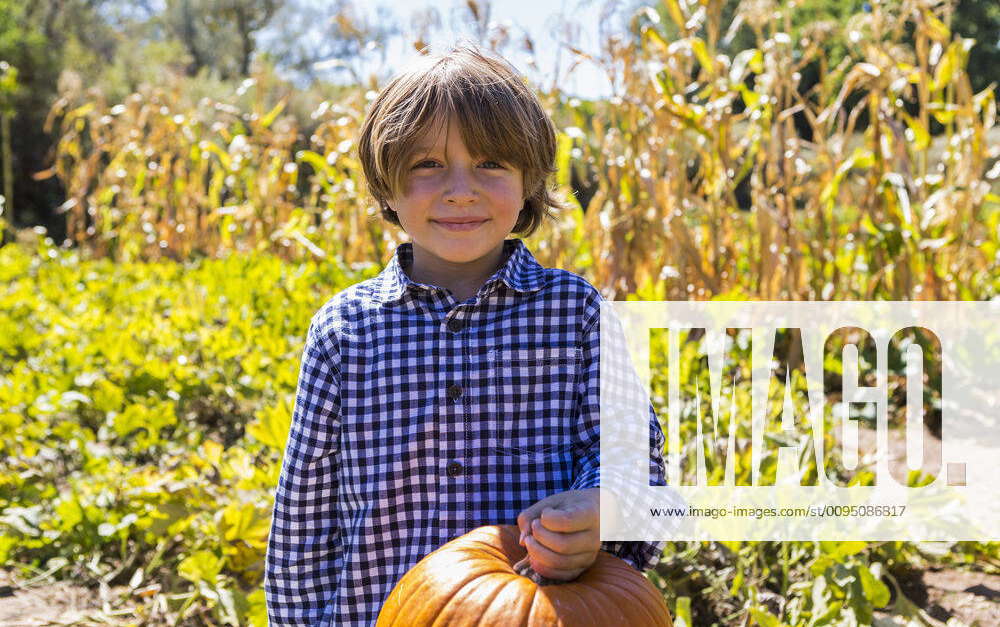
column 457, row 208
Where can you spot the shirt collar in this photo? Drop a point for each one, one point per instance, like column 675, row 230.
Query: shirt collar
column 520, row 271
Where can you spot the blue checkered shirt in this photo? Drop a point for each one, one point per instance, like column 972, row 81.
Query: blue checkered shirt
column 419, row 418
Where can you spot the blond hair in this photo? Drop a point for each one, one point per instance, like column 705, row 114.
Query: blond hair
column 499, row 117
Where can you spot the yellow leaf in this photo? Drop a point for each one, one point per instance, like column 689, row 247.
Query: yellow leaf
column 200, row 566
column 269, row 118
column 134, row 417
column 243, row 522
column 80, row 111
column 936, row 28
column 564, row 146
column 212, row 451
column 108, row 396
column 842, row 549
column 945, row 69
column 652, row 35
column 272, row 425
column 676, row 15
column 701, row 53
column 921, row 138
column 862, row 158
column 257, row 612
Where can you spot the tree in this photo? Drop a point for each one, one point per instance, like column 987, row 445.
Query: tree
column 219, row 35
column 8, row 90
column 308, row 37
column 980, row 19
column 24, row 45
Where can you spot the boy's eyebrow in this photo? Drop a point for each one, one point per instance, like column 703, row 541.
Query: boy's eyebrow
column 420, row 150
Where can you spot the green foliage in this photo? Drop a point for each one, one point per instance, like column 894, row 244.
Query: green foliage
column 793, row 584
column 143, row 412
column 144, row 408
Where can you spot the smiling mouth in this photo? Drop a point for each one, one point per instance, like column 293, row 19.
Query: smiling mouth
column 459, row 226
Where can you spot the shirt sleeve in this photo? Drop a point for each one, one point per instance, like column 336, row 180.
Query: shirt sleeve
column 587, row 455
column 303, row 551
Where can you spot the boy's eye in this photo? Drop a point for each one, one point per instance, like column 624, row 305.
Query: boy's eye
column 431, row 163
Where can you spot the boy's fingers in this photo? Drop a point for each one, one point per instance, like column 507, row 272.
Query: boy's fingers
column 524, row 519
column 566, row 543
column 575, row 516
column 545, row 561
column 565, row 512
column 527, row 515
column 535, row 509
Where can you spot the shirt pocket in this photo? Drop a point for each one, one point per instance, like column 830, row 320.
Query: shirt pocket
column 533, row 399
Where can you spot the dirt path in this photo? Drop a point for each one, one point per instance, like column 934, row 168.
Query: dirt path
column 60, row 603
column 971, row 598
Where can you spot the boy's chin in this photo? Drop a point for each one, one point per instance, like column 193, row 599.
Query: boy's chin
column 460, row 251
column 466, row 256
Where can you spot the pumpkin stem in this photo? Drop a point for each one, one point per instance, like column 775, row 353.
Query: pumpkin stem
column 524, row 569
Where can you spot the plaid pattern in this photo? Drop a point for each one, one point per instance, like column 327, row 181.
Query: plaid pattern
column 419, row 418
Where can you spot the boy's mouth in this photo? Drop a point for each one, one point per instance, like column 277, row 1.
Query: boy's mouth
column 459, row 224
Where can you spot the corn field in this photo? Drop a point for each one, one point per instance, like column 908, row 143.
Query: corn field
column 884, row 211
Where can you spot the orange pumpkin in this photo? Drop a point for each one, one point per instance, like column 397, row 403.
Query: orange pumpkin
column 471, row 581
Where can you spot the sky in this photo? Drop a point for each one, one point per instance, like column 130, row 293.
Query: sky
column 542, row 20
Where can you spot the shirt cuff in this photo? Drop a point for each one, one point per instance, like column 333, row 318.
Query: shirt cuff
column 639, row 555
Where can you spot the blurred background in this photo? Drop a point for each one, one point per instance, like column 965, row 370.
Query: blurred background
column 181, row 192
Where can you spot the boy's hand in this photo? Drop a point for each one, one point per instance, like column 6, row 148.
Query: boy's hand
column 561, row 533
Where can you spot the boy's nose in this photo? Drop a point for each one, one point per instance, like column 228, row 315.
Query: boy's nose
column 460, row 189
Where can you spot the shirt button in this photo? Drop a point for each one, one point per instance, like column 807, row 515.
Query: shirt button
column 455, row 325
column 454, row 469
column 454, row 391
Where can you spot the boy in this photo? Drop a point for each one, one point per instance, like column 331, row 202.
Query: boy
column 459, row 387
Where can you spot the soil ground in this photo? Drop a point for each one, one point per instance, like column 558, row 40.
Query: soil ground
column 54, row 603
column 971, row 597
column 49, row 604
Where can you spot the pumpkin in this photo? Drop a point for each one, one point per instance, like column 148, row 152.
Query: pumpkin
column 471, row 581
